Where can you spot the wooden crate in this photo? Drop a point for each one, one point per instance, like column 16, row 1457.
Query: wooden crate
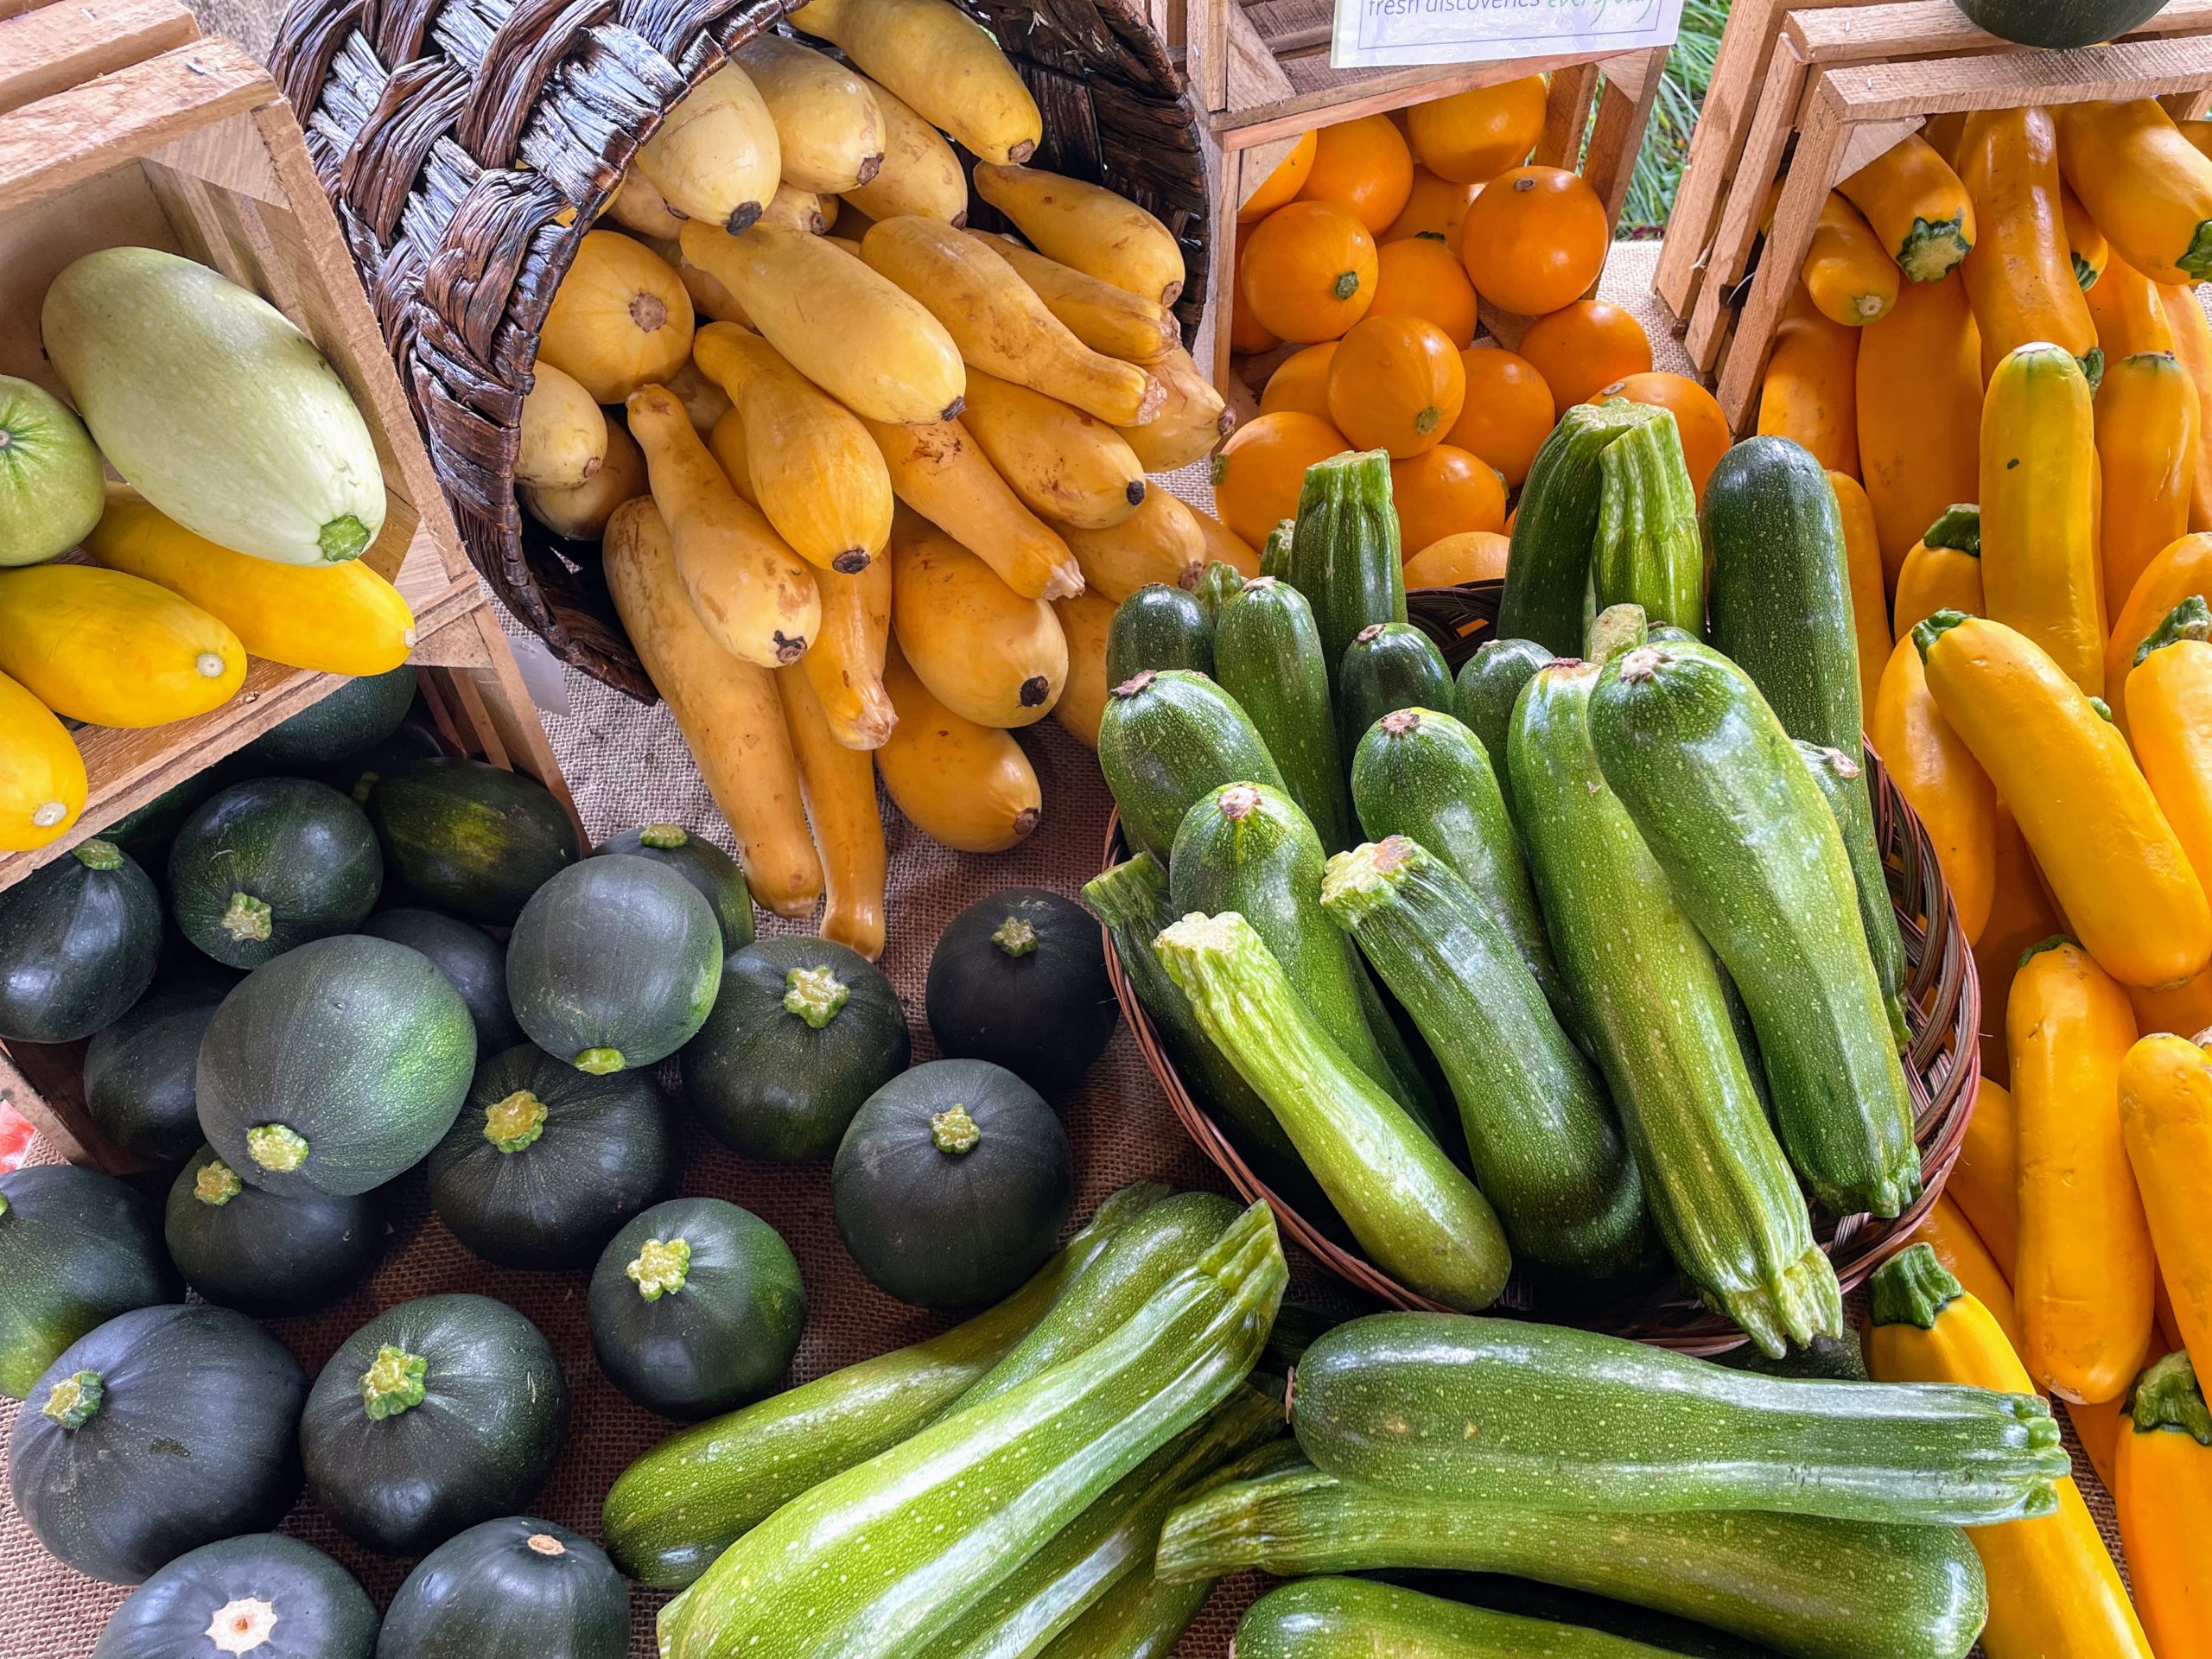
column 1853, row 111
column 120, row 125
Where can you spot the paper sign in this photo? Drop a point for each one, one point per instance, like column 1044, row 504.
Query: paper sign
column 1375, row 33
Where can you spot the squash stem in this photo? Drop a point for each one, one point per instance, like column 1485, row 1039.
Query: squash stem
column 275, row 1148
column 248, row 918
column 216, row 1184
column 516, row 1122
column 76, row 1400
column 815, row 995
column 1913, row 1289
column 393, row 1382
column 2166, row 1396
column 344, row 538
column 954, row 1131
column 97, row 854
column 662, row 1268
column 1014, row 937
column 600, row 1061
column 663, row 835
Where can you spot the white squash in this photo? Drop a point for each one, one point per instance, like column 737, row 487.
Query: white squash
column 51, row 491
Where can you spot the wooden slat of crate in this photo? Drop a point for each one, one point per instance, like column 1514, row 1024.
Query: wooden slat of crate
column 1845, row 106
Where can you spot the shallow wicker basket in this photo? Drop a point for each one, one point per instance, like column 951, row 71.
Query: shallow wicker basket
column 454, row 137
column 1942, row 1068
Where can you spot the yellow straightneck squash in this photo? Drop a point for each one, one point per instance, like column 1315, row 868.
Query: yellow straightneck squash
column 113, row 650
column 943, row 62
column 838, row 785
column 2039, row 572
column 42, row 782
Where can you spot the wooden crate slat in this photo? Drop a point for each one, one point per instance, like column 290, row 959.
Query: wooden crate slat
column 55, row 48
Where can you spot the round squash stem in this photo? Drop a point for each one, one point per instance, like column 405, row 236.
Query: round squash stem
column 247, row 918
column 952, row 1130
column 544, row 1543
column 515, row 1123
column 275, row 1148
column 661, row 1268
column 97, row 854
column 216, row 1184
column 393, row 1383
column 74, row 1399
column 600, row 1061
column 247, row 1623
column 815, row 995
column 663, row 835
column 1014, row 937
column 344, row 538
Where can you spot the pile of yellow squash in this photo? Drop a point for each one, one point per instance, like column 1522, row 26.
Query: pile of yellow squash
column 868, row 483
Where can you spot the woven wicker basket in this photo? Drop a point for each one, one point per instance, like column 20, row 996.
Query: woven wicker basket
column 454, row 138
column 1942, row 1068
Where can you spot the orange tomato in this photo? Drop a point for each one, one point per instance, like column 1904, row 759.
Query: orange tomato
column 1258, row 473
column 1283, row 183
column 1301, row 382
column 1471, row 137
column 1437, row 208
column 1444, row 491
column 1705, row 431
column 1536, row 240
column 1583, row 346
column 1395, row 384
column 1421, row 278
column 1507, row 414
column 1309, row 271
column 1364, row 166
column 1471, row 556
column 1247, row 333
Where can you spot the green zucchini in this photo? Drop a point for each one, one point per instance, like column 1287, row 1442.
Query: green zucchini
column 1545, row 1145
column 1388, row 665
column 1802, row 1584
column 1655, row 1010
column 1753, row 854
column 1166, row 737
column 1359, row 1618
column 1267, row 656
column 888, row 1557
column 1424, row 775
column 1417, row 1216
column 1248, row 848
column 1218, row 583
column 1648, row 550
column 1344, row 550
column 1835, row 1359
column 1616, row 629
column 1571, row 1420
column 1275, row 554
column 671, row 1512
column 1159, row 627
column 1842, row 783
column 1547, row 597
column 1484, row 696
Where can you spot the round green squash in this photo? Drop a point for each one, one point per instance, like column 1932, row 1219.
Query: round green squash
column 514, row 1588
column 803, row 1032
column 78, row 941
column 2060, row 24
column 77, row 1247
column 1019, row 979
column 470, row 838
column 695, row 1307
column 358, row 715
column 139, row 1073
column 146, row 834
column 952, row 1183
column 263, row 1252
column 614, row 963
column 545, row 1162
column 164, row 1429
column 270, row 864
column 263, row 1596
column 436, row 1414
column 473, row 962
column 357, row 775
column 336, row 1067
column 51, row 488
column 698, row 861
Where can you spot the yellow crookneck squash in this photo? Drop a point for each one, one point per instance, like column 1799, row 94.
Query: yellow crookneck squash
column 621, row 318
column 2166, row 1114
column 1085, row 619
column 2038, row 472
column 1160, row 542
column 1063, row 463
column 2148, row 188
column 2021, row 274
column 2163, row 1495
column 2148, row 417
column 1193, row 418
column 985, row 652
column 1103, row 317
column 838, row 785
column 940, row 472
column 944, row 63
column 1943, row 570
column 1942, row 781
column 845, row 663
column 42, row 781
column 2052, row 1587
column 1920, row 412
column 114, row 650
column 1089, row 227
column 965, row 787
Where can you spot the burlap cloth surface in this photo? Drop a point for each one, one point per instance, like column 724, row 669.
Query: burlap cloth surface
column 628, row 765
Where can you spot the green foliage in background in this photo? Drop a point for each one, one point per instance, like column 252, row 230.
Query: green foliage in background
column 1667, row 144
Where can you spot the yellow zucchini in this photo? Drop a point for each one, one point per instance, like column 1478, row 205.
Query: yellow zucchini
column 985, row 652
column 42, row 782
column 966, row 786
column 1966, row 1256
column 2169, row 724
column 2147, row 428
column 1942, row 781
column 114, row 650
column 2193, row 344
column 1063, row 463
column 2129, row 316
column 2039, row 572
column 1088, row 226
column 1810, row 393
column 1192, row 421
column 1103, row 317
column 919, row 174
column 1984, row 1182
column 714, row 157
column 1085, row 620
column 1160, row 542
column 940, row 472
column 1850, row 274
column 2182, row 567
column 2165, row 1115
column 838, row 786
column 2086, row 247
column 1916, row 207
column 1870, row 600
column 2020, row 914
column 943, row 62
column 2163, row 1491
column 2148, row 188
column 828, row 127
column 562, row 439
column 2020, row 276
column 1919, row 406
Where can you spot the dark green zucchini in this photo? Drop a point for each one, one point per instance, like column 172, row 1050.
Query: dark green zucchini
column 1387, row 666
column 270, row 864
column 1168, row 738
column 262, row 1254
column 79, row 943
column 1355, row 1618
column 514, row 1588
column 716, row 875
column 1719, row 794
column 473, row 962
column 695, row 1308
column 1484, row 696
column 471, row 838
column 357, row 716
column 1648, row 552
column 1571, row 1420
column 1547, row 597
column 1267, row 656
column 545, row 1163
column 1019, row 979
column 1843, row 786
column 1543, row 1140
column 265, row 1594
column 77, row 1247
column 1802, row 1585
column 1655, row 1011
column 1275, row 554
column 1159, row 627
column 1217, row 584
column 140, row 1074
column 1345, row 555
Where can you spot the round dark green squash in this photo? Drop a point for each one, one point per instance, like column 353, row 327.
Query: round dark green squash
column 265, row 1253
column 2060, row 24
column 803, row 1031
column 270, row 864
column 545, row 1162
column 78, row 941
column 614, row 963
column 436, row 1414
column 470, row 838
column 716, row 875
column 1019, row 979
column 473, row 962
column 139, row 1073
column 264, row 1596
column 77, row 1247
column 695, row 1307
column 164, row 1429
column 336, row 1067
column 357, row 775
column 146, row 833
column 514, row 1588
column 952, row 1183
column 358, row 715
